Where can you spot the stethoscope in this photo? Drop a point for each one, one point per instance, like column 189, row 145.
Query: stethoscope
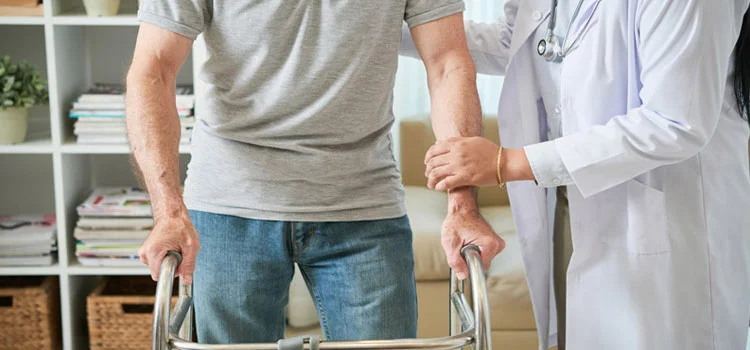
column 549, row 47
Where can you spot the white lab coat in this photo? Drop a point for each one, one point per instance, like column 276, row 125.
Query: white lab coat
column 660, row 209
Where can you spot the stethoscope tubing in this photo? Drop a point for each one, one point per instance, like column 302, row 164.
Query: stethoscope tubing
column 550, row 43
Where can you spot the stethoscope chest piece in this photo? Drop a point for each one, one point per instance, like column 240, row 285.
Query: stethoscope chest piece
column 549, row 49
column 541, row 48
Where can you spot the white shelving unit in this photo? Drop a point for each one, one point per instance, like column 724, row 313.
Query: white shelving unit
column 50, row 173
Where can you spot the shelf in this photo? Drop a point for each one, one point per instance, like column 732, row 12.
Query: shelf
column 29, row 270
column 21, row 20
column 77, row 269
column 72, row 52
column 39, row 146
column 78, row 17
column 71, row 147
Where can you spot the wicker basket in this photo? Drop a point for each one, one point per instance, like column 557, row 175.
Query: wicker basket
column 120, row 314
column 29, row 313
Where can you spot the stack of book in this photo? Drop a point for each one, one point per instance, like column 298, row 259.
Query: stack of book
column 21, row 8
column 27, row 240
column 113, row 223
column 100, row 114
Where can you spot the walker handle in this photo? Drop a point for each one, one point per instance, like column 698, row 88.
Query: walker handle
column 161, row 327
column 474, row 328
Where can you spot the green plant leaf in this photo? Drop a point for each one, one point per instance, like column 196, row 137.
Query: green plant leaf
column 21, row 85
column 9, row 83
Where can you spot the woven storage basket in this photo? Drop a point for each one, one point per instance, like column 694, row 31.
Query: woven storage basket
column 29, row 313
column 120, row 313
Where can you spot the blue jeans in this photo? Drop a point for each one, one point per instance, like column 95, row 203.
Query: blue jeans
column 360, row 275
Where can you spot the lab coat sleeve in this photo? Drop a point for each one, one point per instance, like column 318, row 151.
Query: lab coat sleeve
column 547, row 166
column 684, row 50
column 489, row 43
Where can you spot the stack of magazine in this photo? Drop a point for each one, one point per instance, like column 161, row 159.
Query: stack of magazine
column 100, row 114
column 114, row 222
column 28, row 240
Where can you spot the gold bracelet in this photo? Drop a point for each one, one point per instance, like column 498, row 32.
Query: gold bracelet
column 499, row 170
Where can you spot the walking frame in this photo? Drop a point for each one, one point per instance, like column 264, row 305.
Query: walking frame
column 173, row 330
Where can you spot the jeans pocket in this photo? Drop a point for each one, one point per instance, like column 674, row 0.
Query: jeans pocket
column 647, row 230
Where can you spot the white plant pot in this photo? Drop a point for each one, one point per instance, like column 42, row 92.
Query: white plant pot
column 101, row 8
column 13, row 125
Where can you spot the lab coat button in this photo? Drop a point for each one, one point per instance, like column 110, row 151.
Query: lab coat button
column 557, row 110
column 537, row 15
column 556, row 182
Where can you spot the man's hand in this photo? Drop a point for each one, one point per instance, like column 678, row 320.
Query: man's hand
column 463, row 228
column 177, row 234
column 460, row 162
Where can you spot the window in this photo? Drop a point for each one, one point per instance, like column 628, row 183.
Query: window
column 411, row 95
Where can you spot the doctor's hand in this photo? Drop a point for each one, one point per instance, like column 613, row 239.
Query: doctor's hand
column 461, row 228
column 472, row 161
column 461, row 161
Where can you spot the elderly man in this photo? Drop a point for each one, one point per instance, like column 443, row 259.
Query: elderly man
column 292, row 158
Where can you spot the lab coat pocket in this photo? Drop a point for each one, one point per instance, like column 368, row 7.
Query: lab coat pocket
column 647, row 231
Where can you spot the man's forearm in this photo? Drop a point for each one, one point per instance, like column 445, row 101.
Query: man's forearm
column 154, row 135
column 456, row 112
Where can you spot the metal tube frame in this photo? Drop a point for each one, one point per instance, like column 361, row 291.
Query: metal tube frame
column 467, row 327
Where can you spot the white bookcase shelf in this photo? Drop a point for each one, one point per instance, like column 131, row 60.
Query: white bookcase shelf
column 73, row 13
column 71, row 147
column 21, row 20
column 30, row 271
column 79, row 270
column 80, row 19
column 50, row 172
column 31, row 146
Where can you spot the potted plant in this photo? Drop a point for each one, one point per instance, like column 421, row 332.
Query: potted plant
column 21, row 87
column 101, row 8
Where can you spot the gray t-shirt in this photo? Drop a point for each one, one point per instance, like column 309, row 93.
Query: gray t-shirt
column 296, row 122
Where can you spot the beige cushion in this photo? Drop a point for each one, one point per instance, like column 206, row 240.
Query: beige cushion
column 500, row 218
column 516, row 340
column 426, row 210
column 432, row 301
column 510, row 302
column 301, row 311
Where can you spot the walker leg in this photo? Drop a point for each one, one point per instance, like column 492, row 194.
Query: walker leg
column 456, row 286
column 186, row 331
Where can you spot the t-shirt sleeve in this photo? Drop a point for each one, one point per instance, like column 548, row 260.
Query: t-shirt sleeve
column 185, row 17
column 423, row 11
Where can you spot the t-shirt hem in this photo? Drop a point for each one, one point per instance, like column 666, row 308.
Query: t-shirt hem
column 435, row 14
column 168, row 24
column 360, row 214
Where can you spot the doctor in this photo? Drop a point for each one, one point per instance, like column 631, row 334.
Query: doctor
column 630, row 112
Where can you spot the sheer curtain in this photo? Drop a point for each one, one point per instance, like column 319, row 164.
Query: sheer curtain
column 411, row 97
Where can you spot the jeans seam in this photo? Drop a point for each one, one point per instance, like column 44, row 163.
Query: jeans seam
column 293, row 241
column 312, row 242
column 318, row 301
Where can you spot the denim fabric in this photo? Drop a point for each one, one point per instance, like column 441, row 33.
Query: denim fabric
column 360, row 274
